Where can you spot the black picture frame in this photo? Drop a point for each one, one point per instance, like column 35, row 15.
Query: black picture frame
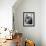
column 28, row 19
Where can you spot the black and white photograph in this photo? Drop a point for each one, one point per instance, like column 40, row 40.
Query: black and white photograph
column 28, row 18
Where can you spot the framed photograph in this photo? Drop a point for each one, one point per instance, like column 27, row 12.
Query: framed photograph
column 28, row 19
column 13, row 22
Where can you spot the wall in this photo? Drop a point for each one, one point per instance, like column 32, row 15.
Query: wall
column 6, row 13
column 43, row 22
column 33, row 33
